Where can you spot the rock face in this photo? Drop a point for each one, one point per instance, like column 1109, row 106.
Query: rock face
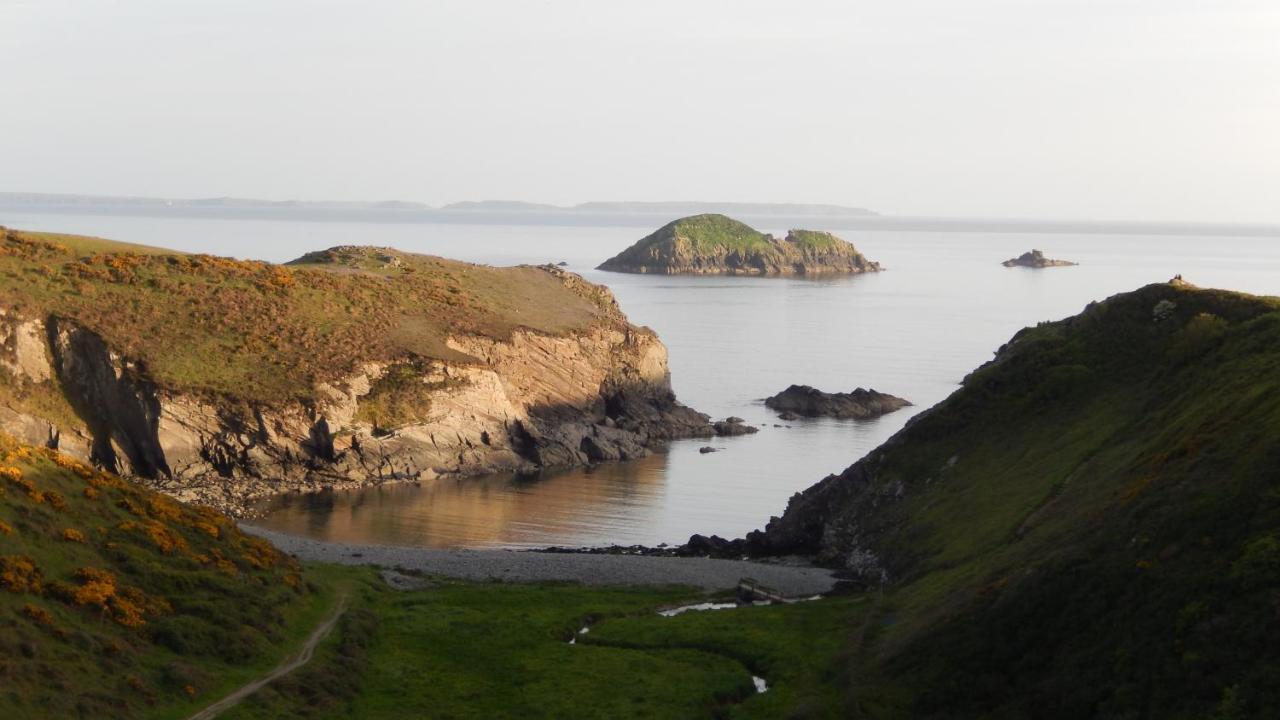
column 719, row 245
column 529, row 401
column 1036, row 259
column 802, row 400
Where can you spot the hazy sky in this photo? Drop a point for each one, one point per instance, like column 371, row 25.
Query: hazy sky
column 1120, row 109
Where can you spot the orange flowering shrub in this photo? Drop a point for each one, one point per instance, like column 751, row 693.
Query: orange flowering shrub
column 39, row 614
column 19, row 574
column 162, row 508
column 14, row 476
column 55, row 499
column 91, row 493
column 5, row 528
column 96, row 587
column 72, row 535
column 260, row 554
column 160, row 535
column 20, row 452
column 126, row 612
column 208, row 521
column 69, row 463
column 218, row 561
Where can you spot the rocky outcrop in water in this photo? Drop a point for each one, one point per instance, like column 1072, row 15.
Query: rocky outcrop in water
column 1036, row 259
column 719, row 245
column 524, row 403
column 802, row 400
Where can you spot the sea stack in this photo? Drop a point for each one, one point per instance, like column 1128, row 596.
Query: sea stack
column 1036, row 259
column 719, row 245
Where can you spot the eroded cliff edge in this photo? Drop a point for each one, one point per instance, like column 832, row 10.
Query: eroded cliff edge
column 436, row 368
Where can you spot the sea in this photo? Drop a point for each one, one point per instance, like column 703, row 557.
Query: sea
column 941, row 308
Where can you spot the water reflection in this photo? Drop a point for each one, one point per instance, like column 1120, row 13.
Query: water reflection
column 585, row 506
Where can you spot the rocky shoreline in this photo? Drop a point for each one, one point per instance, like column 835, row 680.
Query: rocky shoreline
column 791, row 577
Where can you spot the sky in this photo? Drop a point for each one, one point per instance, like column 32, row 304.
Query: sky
column 1164, row 110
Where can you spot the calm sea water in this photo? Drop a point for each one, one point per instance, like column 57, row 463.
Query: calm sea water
column 942, row 308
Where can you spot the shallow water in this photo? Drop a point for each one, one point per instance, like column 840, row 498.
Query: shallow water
column 943, row 306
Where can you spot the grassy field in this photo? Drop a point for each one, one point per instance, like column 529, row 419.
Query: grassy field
column 259, row 331
column 466, row 650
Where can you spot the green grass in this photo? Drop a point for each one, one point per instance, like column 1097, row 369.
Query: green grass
column 493, row 650
column 114, row 599
column 705, row 233
column 815, row 240
column 262, row 332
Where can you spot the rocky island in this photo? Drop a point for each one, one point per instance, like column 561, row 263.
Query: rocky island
column 714, row 244
column 218, row 380
column 861, row 404
column 1036, row 259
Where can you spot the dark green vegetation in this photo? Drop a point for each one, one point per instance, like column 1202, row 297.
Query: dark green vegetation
column 118, row 602
column 465, row 650
column 258, row 331
column 717, row 244
column 1089, row 527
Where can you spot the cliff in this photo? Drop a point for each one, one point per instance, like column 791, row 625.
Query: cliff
column 1089, row 526
column 219, row 381
column 719, row 245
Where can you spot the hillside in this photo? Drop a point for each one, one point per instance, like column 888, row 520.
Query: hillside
column 350, row 365
column 115, row 600
column 1090, row 526
column 719, row 245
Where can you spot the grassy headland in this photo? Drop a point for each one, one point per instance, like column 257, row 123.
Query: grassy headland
column 260, row 331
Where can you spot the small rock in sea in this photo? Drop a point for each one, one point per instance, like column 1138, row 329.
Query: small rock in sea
column 859, row 405
column 734, row 426
column 1035, row 259
column 706, row 449
column 788, row 415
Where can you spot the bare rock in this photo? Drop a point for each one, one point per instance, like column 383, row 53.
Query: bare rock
column 810, row 402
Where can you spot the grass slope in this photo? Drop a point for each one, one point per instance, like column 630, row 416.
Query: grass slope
column 118, row 602
column 260, row 331
column 1089, row 527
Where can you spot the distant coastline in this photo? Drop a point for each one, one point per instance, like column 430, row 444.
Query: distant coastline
column 773, row 216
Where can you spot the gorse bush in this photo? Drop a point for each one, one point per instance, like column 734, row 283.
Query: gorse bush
column 111, row 584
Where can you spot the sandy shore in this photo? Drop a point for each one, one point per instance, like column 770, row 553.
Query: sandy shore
column 523, row 566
